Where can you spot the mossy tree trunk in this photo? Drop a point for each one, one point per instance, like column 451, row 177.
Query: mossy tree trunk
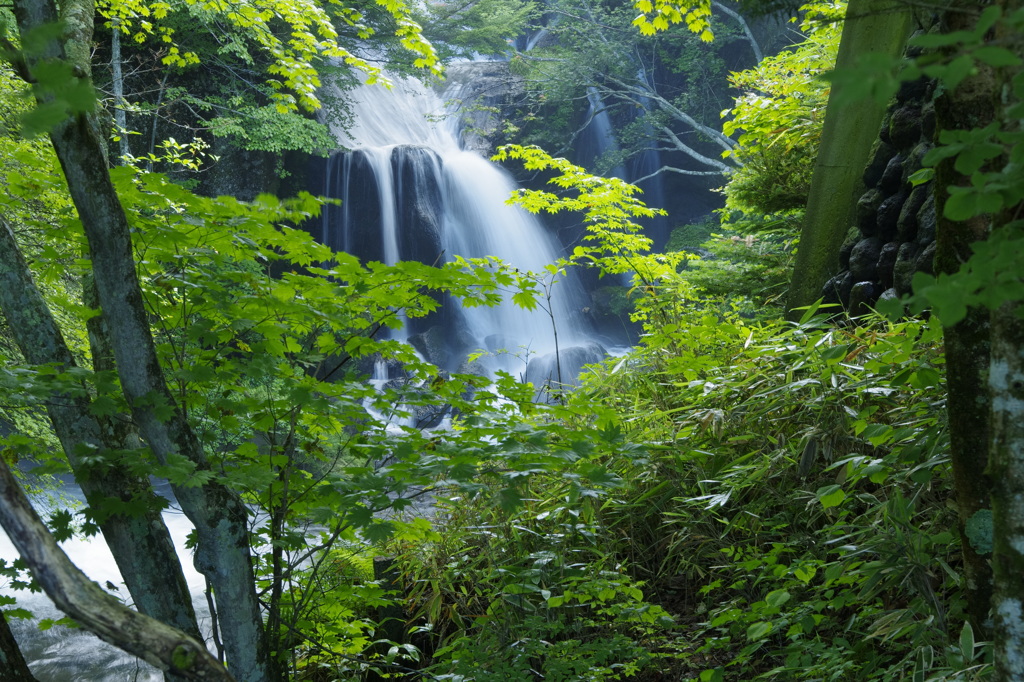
column 850, row 128
column 217, row 512
column 972, row 104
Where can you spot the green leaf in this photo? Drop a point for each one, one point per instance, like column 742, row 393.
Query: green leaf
column 759, row 630
column 921, row 176
column 777, row 598
column 831, row 496
column 996, row 56
column 967, row 642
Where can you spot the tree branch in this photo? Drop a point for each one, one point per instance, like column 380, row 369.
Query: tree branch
column 74, row 594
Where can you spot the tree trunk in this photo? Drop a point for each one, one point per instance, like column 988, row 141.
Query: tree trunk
column 140, row 543
column 12, row 664
column 850, row 128
column 971, row 105
column 76, row 595
column 220, row 518
column 1006, row 468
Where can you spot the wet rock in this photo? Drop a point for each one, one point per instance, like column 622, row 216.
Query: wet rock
column 864, row 259
column 914, row 90
column 926, row 221
column 844, row 252
column 928, row 121
column 889, row 216
column 883, row 134
column 886, row 262
column 544, row 370
column 837, row 289
column 926, row 261
column 444, row 346
column 906, row 265
column 906, row 224
column 915, row 160
column 862, row 296
column 892, row 178
column 888, row 295
column 905, row 127
column 867, row 211
column 880, row 158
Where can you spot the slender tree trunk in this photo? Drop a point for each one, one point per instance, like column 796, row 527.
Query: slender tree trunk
column 1006, row 383
column 972, row 104
column 117, row 78
column 140, row 543
column 12, row 664
column 872, row 26
column 220, row 518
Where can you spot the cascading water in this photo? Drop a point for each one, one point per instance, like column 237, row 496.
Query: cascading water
column 410, row 191
column 599, row 135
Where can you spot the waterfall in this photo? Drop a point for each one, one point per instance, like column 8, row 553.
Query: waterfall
column 410, row 191
column 599, row 135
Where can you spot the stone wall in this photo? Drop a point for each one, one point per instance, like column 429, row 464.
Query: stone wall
column 894, row 235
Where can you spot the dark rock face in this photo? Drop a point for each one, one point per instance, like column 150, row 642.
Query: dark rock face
column 886, row 262
column 444, row 345
column 889, row 216
column 878, row 163
column 862, row 297
column 892, row 176
column 905, row 127
column 864, row 259
column 904, row 267
column 867, row 211
column 906, row 224
column 895, row 220
column 419, row 209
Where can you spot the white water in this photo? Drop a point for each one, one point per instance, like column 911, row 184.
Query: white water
column 411, row 122
column 63, row 654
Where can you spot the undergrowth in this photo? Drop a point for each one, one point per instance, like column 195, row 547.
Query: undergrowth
column 780, row 514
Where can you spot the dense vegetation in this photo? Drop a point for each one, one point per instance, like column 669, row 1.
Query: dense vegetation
column 739, row 497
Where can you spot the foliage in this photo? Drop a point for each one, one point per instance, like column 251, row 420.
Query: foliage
column 779, row 116
column 506, row 593
column 990, row 157
column 660, row 91
column 794, row 498
column 660, row 14
column 250, row 28
column 485, row 27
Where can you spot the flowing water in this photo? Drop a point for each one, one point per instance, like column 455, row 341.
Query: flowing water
column 62, row 654
column 410, row 191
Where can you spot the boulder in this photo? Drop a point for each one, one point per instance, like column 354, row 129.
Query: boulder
column 888, row 217
column 905, row 267
column 886, row 262
column 864, row 259
column 543, row 370
column 862, row 297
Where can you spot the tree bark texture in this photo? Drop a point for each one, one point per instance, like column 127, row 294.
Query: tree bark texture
column 872, row 26
column 971, row 105
column 13, row 667
column 140, row 543
column 76, row 595
column 218, row 514
column 1006, row 467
